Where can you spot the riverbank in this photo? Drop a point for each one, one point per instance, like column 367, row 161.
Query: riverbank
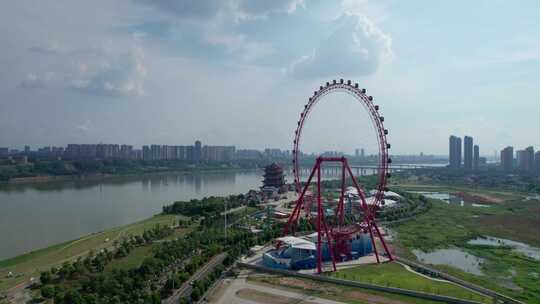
column 22, row 268
column 41, row 179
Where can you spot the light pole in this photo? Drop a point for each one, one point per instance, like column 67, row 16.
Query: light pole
column 225, row 214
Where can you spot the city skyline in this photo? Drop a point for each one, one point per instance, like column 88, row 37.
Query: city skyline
column 144, row 71
column 358, row 152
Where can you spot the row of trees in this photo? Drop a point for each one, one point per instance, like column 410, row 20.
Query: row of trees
column 113, row 166
column 208, row 206
column 85, row 280
column 412, row 205
column 170, row 264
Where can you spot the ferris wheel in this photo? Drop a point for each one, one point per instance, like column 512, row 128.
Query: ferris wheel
column 336, row 233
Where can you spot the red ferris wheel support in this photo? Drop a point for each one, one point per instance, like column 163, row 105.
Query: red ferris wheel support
column 337, row 236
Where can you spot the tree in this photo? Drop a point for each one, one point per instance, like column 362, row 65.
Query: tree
column 45, row 277
column 196, row 294
column 73, row 297
column 184, row 301
column 66, row 270
column 47, row 291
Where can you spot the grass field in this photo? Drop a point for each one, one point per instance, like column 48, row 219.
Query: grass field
column 334, row 292
column 502, row 194
column 31, row 264
column 447, row 225
column 134, row 259
column 396, row 275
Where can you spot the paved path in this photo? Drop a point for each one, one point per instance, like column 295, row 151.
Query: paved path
column 238, row 292
column 19, row 294
column 185, row 289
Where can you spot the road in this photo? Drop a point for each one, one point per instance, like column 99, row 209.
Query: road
column 202, row 272
column 19, row 294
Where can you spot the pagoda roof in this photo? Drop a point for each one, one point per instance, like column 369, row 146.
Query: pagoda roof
column 273, row 166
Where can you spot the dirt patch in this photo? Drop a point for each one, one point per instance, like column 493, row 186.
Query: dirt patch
column 479, row 198
column 307, row 285
column 356, row 295
column 332, row 292
column 268, row 298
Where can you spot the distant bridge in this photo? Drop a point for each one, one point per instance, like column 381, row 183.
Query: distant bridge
column 367, row 169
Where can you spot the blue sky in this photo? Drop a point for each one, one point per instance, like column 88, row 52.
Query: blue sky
column 238, row 72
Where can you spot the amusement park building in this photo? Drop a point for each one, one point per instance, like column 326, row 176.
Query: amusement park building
column 301, row 252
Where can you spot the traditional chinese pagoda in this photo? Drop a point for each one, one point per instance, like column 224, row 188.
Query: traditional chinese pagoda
column 274, row 178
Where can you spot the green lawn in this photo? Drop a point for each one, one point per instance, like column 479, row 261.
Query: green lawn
column 395, row 275
column 335, row 292
column 134, row 259
column 31, row 264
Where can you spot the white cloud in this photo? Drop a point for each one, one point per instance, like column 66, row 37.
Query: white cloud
column 92, row 71
column 186, row 8
column 33, row 81
column 213, row 22
column 263, row 8
column 124, row 75
column 209, row 9
column 84, row 127
column 356, row 48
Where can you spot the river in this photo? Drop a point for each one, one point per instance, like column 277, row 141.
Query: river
column 39, row 215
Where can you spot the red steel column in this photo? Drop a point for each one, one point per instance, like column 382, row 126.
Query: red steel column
column 296, row 212
column 341, row 198
column 319, row 218
column 390, row 257
column 373, row 241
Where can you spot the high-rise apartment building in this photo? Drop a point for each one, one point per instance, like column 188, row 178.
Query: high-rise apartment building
column 197, row 152
column 218, row 153
column 455, row 152
column 248, row 154
column 146, row 153
column 468, row 153
column 507, row 159
column 537, row 161
column 525, row 159
column 126, row 152
column 476, row 157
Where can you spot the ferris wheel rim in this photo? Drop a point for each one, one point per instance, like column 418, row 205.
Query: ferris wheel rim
column 376, row 119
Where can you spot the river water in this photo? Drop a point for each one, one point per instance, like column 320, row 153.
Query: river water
column 40, row 215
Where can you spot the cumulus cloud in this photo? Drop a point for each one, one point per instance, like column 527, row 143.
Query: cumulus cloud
column 35, row 81
column 52, row 49
column 91, row 71
column 84, row 127
column 356, row 48
column 186, row 8
column 123, row 76
column 213, row 24
column 261, row 8
column 210, row 8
